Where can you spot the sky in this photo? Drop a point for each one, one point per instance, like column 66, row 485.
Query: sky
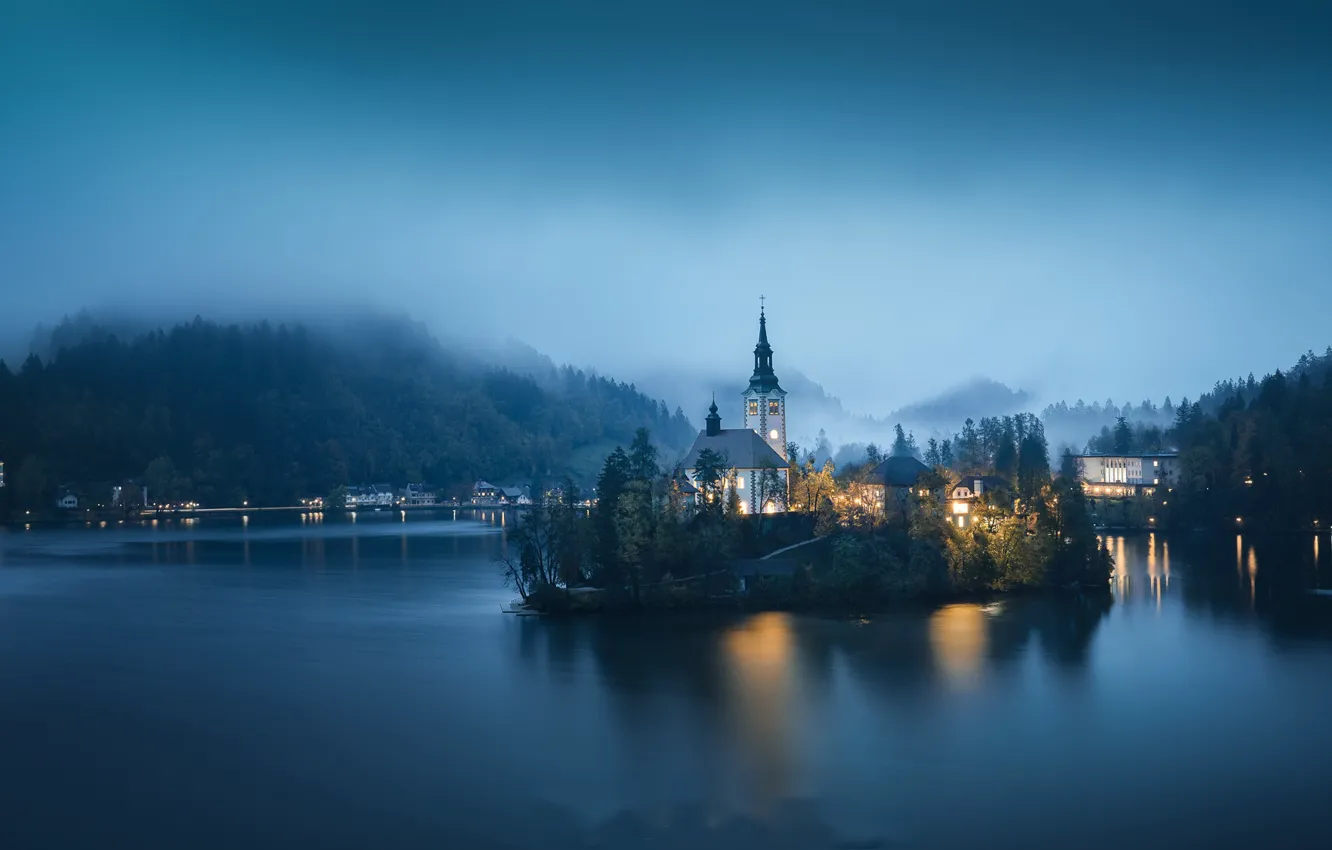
column 1082, row 199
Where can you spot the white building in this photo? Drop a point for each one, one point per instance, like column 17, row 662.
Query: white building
column 419, row 495
column 371, row 496
column 756, row 453
column 1127, row 475
column 67, row 502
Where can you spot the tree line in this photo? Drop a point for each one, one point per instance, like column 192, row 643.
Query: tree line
column 1257, row 454
column 223, row 414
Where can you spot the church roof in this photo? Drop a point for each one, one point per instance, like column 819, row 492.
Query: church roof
column 743, row 448
column 900, row 471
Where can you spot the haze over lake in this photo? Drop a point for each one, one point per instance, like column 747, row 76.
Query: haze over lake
column 301, row 683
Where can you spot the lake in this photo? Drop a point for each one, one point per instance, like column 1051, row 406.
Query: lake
column 327, row 683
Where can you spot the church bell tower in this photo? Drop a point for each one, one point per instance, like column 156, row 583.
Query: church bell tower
column 764, row 401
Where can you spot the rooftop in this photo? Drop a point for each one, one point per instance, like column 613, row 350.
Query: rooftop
column 743, row 448
column 900, row 471
column 1128, row 454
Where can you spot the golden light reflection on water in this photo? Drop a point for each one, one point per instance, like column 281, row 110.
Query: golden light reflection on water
column 1253, row 574
column 1153, row 571
column 958, row 636
column 1121, row 571
column 761, row 683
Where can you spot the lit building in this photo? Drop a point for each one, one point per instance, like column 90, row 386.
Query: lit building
column 896, row 483
column 756, row 452
column 419, row 495
column 1119, row 476
column 963, row 496
column 370, row 496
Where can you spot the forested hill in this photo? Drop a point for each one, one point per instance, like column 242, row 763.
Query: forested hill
column 275, row 414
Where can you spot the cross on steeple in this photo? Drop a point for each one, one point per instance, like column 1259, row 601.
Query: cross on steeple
column 761, row 299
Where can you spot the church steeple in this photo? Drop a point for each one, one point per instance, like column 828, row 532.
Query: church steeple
column 763, row 380
column 713, row 419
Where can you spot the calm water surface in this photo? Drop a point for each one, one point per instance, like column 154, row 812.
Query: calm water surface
column 335, row 684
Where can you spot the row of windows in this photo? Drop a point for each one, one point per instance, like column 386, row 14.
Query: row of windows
column 774, row 407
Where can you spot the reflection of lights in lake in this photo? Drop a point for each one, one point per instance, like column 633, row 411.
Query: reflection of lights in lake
column 758, row 656
column 1253, row 572
column 1153, row 574
column 958, row 637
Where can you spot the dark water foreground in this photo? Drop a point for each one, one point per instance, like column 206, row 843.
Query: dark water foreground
column 354, row 685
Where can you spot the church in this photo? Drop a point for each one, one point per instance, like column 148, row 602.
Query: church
column 760, row 445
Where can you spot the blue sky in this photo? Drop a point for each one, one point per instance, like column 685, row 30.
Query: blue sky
column 1077, row 198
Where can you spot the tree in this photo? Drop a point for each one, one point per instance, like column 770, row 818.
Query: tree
column 902, row 447
column 946, row 454
column 1123, row 436
column 643, row 457
column 633, row 532
column 1033, row 465
column 1070, row 468
column 872, row 455
column 611, row 486
column 531, row 557
column 734, row 507
column 770, row 489
column 932, row 456
column 1005, row 452
column 709, row 472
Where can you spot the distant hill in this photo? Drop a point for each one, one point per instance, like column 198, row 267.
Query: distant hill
column 813, row 409
column 974, row 399
column 276, row 413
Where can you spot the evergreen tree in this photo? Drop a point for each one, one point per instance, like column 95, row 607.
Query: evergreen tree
column 901, row 446
column 873, row 457
column 1070, row 468
column 932, row 456
column 643, row 457
column 1123, row 436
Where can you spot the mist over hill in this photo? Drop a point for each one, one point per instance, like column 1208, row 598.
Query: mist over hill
column 274, row 413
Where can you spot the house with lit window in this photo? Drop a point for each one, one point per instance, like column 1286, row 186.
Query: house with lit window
column 485, row 493
column 755, row 454
column 895, row 484
column 964, row 496
column 1120, row 476
column 370, row 496
column 419, row 495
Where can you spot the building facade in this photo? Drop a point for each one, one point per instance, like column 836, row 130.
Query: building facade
column 755, row 455
column 1127, row 475
column 967, row 492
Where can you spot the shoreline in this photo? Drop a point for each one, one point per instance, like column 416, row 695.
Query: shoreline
column 741, row 604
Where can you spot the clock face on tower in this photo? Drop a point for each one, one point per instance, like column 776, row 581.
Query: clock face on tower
column 773, row 434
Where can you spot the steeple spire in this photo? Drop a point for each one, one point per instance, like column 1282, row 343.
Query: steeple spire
column 763, row 378
column 713, row 419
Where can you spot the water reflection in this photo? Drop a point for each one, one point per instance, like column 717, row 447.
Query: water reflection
column 761, row 683
column 958, row 638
